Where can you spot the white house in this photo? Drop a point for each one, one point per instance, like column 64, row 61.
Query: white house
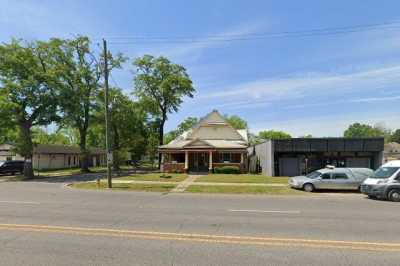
column 49, row 156
column 213, row 142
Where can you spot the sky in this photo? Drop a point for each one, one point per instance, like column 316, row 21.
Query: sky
column 316, row 84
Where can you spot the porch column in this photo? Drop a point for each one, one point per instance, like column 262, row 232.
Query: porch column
column 186, row 160
column 241, row 158
column 210, row 164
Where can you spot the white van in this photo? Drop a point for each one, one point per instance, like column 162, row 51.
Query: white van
column 385, row 184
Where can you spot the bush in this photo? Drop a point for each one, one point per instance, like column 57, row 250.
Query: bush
column 227, row 170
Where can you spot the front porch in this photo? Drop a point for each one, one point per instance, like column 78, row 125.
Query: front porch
column 202, row 160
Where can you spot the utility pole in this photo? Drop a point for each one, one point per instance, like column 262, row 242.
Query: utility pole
column 107, row 116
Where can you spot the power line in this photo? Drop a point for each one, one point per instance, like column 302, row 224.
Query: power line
column 113, row 80
column 256, row 36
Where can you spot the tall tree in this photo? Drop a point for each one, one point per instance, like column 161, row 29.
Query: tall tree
column 358, row 130
column 161, row 86
column 27, row 91
column 395, row 136
column 128, row 119
column 236, row 121
column 81, row 79
column 273, row 134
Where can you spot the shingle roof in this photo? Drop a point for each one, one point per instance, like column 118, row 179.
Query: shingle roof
column 63, row 149
column 185, row 140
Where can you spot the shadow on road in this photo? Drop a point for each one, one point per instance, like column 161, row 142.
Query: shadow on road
column 80, row 177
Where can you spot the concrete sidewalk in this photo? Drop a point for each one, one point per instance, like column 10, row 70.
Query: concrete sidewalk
column 198, row 183
column 191, row 180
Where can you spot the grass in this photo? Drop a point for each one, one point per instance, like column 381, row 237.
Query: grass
column 155, row 177
column 243, row 178
column 244, row 190
column 125, row 187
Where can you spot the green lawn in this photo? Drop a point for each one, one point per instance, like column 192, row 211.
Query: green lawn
column 155, row 177
column 243, row 178
column 127, row 187
column 245, row 190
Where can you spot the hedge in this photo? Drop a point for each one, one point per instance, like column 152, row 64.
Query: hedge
column 227, row 170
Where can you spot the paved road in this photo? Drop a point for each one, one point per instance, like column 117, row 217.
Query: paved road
column 44, row 223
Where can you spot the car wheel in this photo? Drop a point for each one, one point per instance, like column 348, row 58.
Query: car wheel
column 394, row 195
column 308, row 187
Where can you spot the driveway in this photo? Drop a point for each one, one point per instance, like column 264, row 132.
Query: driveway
column 44, row 223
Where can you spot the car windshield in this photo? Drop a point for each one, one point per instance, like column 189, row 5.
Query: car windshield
column 385, row 172
column 1, row 163
column 314, row 174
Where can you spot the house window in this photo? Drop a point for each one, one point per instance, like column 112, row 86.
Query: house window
column 69, row 160
column 74, row 160
column 225, row 157
column 175, row 158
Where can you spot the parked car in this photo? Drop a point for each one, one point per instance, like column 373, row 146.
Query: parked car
column 331, row 178
column 11, row 167
column 385, row 183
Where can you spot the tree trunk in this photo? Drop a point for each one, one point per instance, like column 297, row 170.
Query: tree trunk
column 161, row 138
column 84, row 152
column 25, row 148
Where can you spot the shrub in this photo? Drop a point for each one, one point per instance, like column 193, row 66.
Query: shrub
column 227, row 170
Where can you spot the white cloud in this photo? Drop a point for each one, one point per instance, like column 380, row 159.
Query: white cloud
column 193, row 50
column 328, row 126
column 310, row 84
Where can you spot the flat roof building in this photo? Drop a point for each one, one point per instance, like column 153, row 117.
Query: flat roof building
column 298, row 156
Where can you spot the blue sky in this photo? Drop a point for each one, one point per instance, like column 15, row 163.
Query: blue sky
column 304, row 85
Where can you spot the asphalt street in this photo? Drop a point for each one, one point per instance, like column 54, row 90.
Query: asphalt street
column 44, row 223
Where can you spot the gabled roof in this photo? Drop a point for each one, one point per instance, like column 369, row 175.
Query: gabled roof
column 211, row 131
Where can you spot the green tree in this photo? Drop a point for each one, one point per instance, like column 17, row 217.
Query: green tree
column 358, row 130
column 236, row 121
column 161, row 86
column 81, row 79
column 395, row 136
column 128, row 132
column 187, row 124
column 273, row 134
column 27, row 91
column 40, row 136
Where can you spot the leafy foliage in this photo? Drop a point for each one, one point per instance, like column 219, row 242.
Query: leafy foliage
column 80, row 75
column 42, row 137
column 28, row 91
column 161, row 86
column 395, row 136
column 358, row 130
column 227, row 170
column 273, row 134
column 128, row 126
column 186, row 125
column 236, row 121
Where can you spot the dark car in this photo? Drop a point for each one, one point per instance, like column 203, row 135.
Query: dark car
column 11, row 167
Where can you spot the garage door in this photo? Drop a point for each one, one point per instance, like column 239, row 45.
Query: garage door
column 289, row 166
column 358, row 162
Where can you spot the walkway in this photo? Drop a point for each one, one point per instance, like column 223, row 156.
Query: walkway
column 182, row 186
